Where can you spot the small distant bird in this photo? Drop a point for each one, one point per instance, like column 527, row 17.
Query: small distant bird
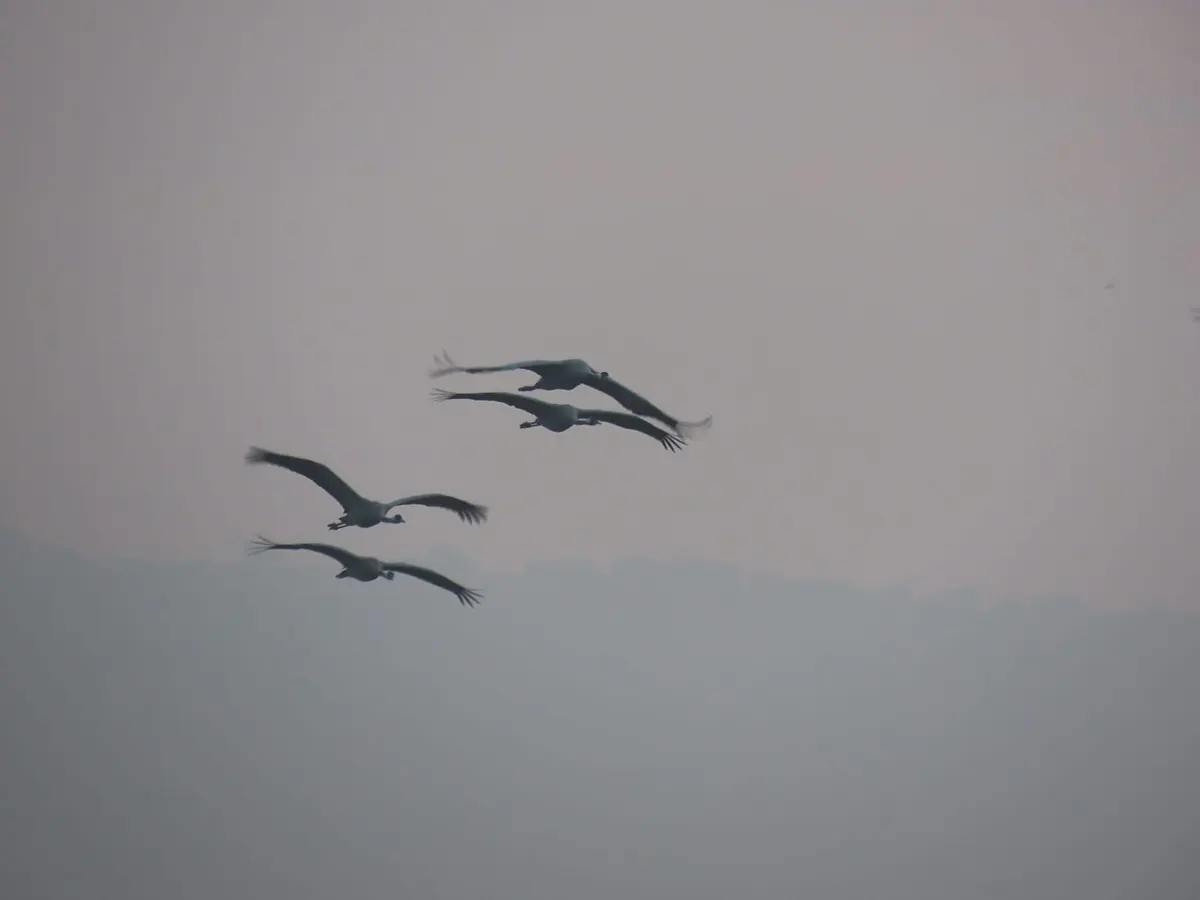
column 558, row 417
column 368, row 568
column 568, row 374
column 1110, row 285
column 358, row 510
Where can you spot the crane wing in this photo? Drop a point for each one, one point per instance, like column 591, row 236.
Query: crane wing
column 636, row 403
column 520, row 401
column 261, row 544
column 468, row 512
column 318, row 473
column 635, row 423
column 466, row 596
column 445, row 366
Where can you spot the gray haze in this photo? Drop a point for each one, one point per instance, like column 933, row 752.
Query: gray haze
column 872, row 240
column 258, row 730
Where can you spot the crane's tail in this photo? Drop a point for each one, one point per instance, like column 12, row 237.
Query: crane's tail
column 689, row 430
column 259, row 545
column 256, row 455
column 444, row 366
column 440, row 396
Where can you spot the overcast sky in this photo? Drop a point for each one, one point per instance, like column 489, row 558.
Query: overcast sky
column 261, row 731
column 872, row 240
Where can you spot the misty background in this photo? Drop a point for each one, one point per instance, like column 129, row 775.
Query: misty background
column 871, row 240
column 918, row 618
column 258, row 729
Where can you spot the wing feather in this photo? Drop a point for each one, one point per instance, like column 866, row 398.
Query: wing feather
column 468, row 512
column 445, row 366
column 636, row 403
column 465, row 595
column 520, row 401
column 261, row 544
column 635, row 423
column 318, row 473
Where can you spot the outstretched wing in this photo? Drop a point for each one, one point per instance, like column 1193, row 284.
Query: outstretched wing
column 261, row 544
column 468, row 512
column 466, row 596
column 445, row 366
column 636, row 403
column 318, row 473
column 634, row 423
column 520, row 401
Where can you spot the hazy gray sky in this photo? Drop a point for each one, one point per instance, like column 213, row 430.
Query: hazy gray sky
column 871, row 241
column 261, row 731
